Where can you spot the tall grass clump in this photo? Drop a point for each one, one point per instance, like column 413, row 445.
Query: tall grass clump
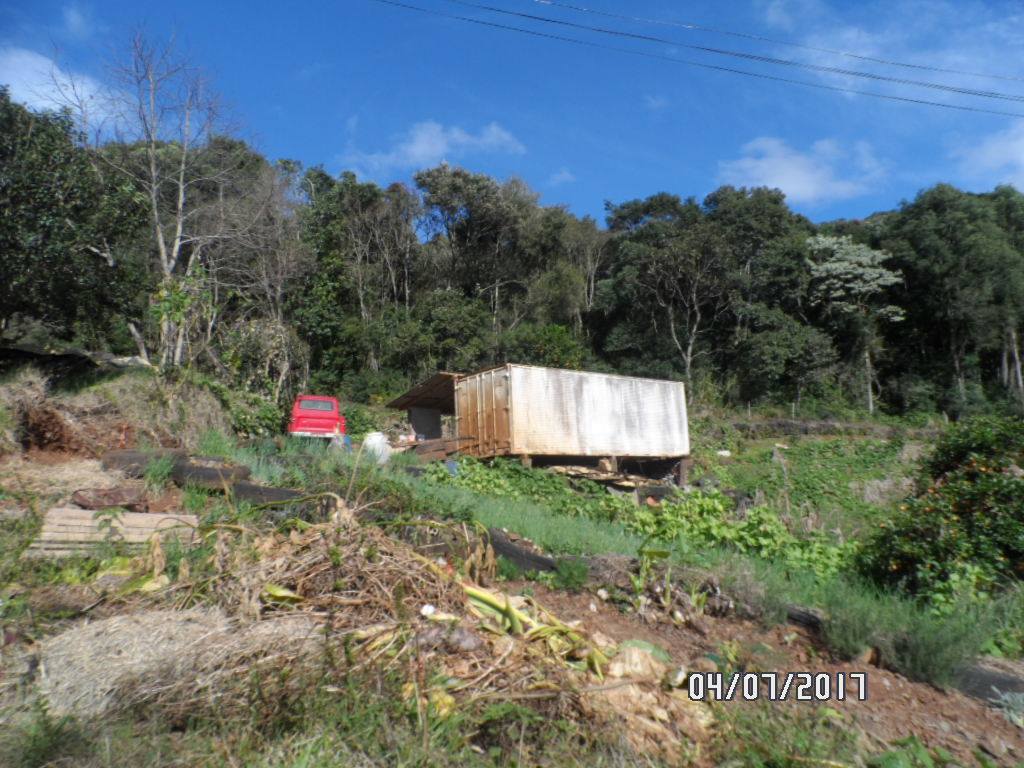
column 909, row 638
column 158, row 472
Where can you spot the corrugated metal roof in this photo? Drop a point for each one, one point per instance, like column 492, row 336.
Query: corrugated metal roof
column 436, row 392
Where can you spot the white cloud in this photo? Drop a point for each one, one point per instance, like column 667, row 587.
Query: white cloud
column 948, row 34
column 561, row 176
column 36, row 80
column 783, row 14
column 997, row 158
column 39, row 83
column 655, row 103
column 826, row 172
column 429, row 143
column 76, row 22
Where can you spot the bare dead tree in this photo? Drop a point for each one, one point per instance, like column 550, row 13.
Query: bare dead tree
column 156, row 126
column 256, row 269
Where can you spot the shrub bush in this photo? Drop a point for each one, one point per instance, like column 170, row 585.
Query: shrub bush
column 963, row 536
column 984, row 437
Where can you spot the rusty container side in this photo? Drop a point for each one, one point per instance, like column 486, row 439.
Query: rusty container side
column 482, row 413
column 574, row 413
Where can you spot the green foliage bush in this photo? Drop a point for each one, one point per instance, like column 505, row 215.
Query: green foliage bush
column 553, row 345
column 984, row 437
column 509, row 479
column 693, row 520
column 251, row 414
column 909, row 637
column 963, row 536
column 699, row 519
column 359, row 420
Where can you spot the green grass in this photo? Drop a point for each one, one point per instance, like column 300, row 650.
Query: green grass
column 6, row 418
column 911, row 639
column 821, row 480
column 41, row 739
column 15, row 535
column 554, row 533
column 763, row 736
column 216, row 444
column 158, row 472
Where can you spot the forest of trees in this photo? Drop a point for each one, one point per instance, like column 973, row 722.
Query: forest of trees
column 161, row 235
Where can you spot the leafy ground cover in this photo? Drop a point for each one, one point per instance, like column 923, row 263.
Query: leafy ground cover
column 762, row 556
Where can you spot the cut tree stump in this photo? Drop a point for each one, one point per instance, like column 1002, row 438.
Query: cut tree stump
column 71, row 531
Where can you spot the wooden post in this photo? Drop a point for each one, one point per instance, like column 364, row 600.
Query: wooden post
column 526, row 460
column 682, row 471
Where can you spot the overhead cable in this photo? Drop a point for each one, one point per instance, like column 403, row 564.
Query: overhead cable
column 776, row 41
column 690, row 63
column 749, row 56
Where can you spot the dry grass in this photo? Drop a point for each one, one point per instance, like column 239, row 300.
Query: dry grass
column 357, row 576
column 82, row 671
column 296, row 616
column 56, row 480
column 17, row 393
column 159, row 412
column 129, row 409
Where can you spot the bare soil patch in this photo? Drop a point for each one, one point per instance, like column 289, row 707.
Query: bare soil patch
column 895, row 707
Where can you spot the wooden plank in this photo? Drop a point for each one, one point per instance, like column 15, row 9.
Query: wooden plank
column 68, row 530
column 132, row 519
column 129, row 536
column 135, row 519
column 71, row 530
column 134, row 531
column 158, row 521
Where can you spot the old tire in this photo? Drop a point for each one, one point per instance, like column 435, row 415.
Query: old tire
column 211, row 474
column 259, row 494
column 524, row 559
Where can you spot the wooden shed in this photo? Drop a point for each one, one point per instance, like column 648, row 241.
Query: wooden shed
column 530, row 411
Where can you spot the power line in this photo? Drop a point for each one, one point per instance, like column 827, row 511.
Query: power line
column 749, row 56
column 775, row 41
column 687, row 62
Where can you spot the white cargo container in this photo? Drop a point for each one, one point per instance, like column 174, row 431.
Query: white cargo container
column 525, row 410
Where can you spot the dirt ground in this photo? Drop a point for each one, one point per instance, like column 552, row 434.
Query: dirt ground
column 894, row 707
column 56, row 475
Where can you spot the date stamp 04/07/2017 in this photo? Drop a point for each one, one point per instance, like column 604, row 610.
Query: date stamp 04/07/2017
column 778, row 686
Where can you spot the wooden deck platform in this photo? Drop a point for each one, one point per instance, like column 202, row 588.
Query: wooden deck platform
column 73, row 531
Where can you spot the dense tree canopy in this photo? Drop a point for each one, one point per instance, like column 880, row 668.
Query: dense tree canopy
column 197, row 251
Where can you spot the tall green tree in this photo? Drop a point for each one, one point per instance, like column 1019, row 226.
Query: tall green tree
column 66, row 233
column 850, row 280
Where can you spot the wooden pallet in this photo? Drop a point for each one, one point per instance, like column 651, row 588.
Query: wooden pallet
column 620, row 479
column 73, row 531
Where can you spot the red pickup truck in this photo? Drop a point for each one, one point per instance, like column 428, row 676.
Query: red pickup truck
column 316, row 416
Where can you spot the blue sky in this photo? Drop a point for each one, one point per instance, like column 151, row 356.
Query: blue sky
column 383, row 91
